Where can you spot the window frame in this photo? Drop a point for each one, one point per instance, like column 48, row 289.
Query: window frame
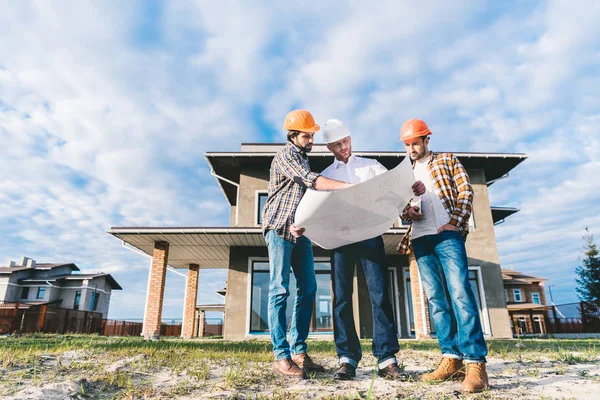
column 484, row 312
column 77, row 300
column 94, row 301
column 251, row 261
column 539, row 299
column 257, row 210
column 520, row 292
column 42, row 290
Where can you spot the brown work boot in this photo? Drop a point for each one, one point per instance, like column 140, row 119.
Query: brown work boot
column 446, row 369
column 476, row 379
column 393, row 371
column 304, row 361
column 287, row 367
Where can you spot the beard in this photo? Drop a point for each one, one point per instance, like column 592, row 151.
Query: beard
column 307, row 148
column 417, row 156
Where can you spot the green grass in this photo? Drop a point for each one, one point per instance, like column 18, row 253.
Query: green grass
column 242, row 368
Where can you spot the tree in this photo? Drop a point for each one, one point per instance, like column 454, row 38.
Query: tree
column 589, row 271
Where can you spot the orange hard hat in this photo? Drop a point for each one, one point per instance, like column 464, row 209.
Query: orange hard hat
column 412, row 129
column 300, row 120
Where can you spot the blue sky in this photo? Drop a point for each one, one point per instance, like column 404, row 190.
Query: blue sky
column 106, row 112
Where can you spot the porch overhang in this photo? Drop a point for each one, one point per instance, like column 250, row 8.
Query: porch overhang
column 209, row 247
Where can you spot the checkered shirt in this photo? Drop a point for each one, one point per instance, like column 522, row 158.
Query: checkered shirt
column 452, row 184
column 289, row 179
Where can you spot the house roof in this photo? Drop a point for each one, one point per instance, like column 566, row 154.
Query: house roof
column 38, row 267
column 518, row 278
column 209, row 247
column 75, row 277
column 228, row 165
column 499, row 214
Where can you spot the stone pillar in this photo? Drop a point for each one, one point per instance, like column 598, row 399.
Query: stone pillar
column 201, row 321
column 191, row 295
column 419, row 301
column 156, row 291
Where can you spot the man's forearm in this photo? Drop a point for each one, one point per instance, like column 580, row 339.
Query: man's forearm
column 323, row 183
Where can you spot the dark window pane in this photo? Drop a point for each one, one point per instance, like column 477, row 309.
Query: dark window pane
column 260, row 302
column 77, row 300
column 322, row 266
column 25, row 293
column 262, row 199
column 323, row 307
column 260, row 298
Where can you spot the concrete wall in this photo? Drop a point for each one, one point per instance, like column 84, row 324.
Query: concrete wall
column 3, row 288
column 236, row 299
column 482, row 251
column 250, row 182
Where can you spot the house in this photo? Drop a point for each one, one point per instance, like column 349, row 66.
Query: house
column 525, row 297
column 240, row 248
column 33, row 283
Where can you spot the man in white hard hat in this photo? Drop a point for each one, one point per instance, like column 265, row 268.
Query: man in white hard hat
column 371, row 253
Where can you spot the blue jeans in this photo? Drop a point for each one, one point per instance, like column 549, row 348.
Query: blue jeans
column 371, row 254
column 284, row 254
column 443, row 266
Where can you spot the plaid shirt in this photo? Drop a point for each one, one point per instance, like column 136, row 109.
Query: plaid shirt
column 452, row 184
column 290, row 176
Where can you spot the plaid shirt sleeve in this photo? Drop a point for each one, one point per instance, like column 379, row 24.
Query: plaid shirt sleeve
column 290, row 164
column 464, row 200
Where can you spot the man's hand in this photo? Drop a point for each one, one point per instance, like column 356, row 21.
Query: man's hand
column 447, row 227
column 414, row 214
column 418, row 188
column 296, row 232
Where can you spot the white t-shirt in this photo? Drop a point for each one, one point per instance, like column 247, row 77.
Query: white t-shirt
column 356, row 170
column 430, row 205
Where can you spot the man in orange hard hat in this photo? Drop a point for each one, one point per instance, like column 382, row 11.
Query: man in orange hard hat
column 440, row 224
column 290, row 176
column 371, row 254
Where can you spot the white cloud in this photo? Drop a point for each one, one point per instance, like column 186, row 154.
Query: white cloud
column 107, row 126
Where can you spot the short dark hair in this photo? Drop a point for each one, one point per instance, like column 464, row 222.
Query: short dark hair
column 292, row 134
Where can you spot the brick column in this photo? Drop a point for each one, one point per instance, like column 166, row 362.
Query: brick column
column 201, row 321
column 191, row 295
column 419, row 301
column 156, row 291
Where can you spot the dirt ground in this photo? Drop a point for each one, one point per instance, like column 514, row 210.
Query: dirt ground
column 172, row 372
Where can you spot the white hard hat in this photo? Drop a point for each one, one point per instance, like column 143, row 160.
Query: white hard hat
column 334, row 130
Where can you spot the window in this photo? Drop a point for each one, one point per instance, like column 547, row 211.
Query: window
column 535, row 298
column 393, row 294
column 261, row 199
column 522, row 326
column 473, row 280
column 517, row 295
column 538, row 326
column 41, row 292
column 25, row 293
column 77, row 300
column 506, row 295
column 323, row 313
column 409, row 305
column 94, row 301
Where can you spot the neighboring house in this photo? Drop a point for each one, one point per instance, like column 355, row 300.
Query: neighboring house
column 243, row 177
column 40, row 283
column 525, row 297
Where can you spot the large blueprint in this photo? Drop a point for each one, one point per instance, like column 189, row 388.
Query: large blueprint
column 363, row 211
